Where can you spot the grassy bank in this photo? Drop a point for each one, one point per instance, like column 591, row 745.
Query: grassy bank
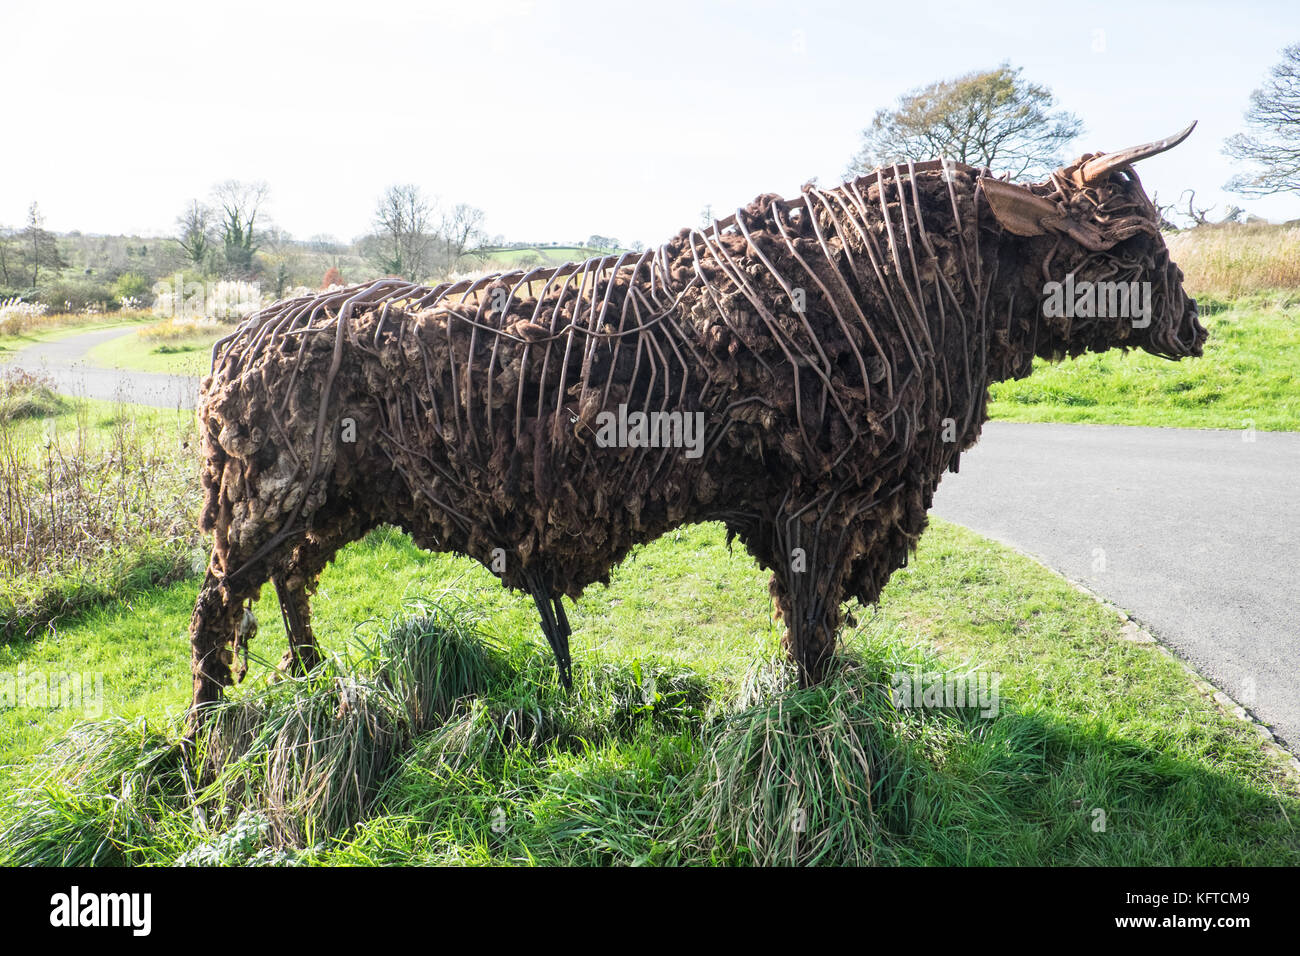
column 1246, row 377
column 48, row 328
column 440, row 736
column 174, row 348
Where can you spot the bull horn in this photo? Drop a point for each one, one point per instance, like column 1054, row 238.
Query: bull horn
column 1098, row 168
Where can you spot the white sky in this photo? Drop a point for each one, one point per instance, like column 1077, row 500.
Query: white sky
column 563, row 119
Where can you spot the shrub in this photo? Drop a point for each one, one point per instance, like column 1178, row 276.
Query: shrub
column 78, row 295
column 132, row 285
column 27, row 395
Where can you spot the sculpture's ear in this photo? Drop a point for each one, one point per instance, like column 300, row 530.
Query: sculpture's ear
column 1019, row 210
column 1022, row 213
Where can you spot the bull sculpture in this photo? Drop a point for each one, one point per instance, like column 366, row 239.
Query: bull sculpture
column 803, row 371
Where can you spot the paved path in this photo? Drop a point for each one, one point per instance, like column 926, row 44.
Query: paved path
column 65, row 361
column 1195, row 533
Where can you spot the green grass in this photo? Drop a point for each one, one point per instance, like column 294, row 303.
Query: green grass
column 1246, row 378
column 534, row 257
column 187, row 356
column 682, row 743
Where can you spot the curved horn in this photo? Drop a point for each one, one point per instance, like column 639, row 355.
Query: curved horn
column 1097, row 169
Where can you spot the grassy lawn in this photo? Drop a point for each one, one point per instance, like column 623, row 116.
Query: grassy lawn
column 1090, row 727
column 1246, row 378
column 533, row 257
column 191, row 355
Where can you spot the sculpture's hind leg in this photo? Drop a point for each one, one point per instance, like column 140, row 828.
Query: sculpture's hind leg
column 295, row 578
column 214, row 627
column 302, row 655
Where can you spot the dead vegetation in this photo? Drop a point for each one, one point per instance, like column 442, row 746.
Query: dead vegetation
column 87, row 506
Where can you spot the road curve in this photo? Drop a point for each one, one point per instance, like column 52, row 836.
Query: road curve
column 1195, row 533
column 64, row 360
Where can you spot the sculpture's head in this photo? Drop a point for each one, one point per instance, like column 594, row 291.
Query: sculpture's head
column 1106, row 277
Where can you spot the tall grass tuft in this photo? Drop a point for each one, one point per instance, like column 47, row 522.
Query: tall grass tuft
column 795, row 779
column 311, row 754
column 286, row 764
column 94, row 797
column 27, row 395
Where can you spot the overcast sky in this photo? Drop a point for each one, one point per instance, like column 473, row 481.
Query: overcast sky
column 563, row 119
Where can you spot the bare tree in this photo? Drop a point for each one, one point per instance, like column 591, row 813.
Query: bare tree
column 461, row 232
column 402, row 242
column 1274, row 144
column 1165, row 211
column 239, row 204
column 992, row 118
column 195, row 237
column 283, row 256
column 8, row 258
column 1199, row 215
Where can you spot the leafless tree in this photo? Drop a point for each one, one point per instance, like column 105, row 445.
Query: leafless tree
column 1199, row 215
column 195, row 238
column 403, row 242
column 461, row 233
column 8, row 258
column 1273, row 145
column 39, row 245
column 1165, row 211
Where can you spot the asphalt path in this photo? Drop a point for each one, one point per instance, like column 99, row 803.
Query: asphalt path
column 65, row 361
column 1193, row 532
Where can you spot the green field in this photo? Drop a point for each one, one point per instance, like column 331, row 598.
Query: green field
column 534, row 257
column 184, row 356
column 672, row 682
column 1246, row 378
